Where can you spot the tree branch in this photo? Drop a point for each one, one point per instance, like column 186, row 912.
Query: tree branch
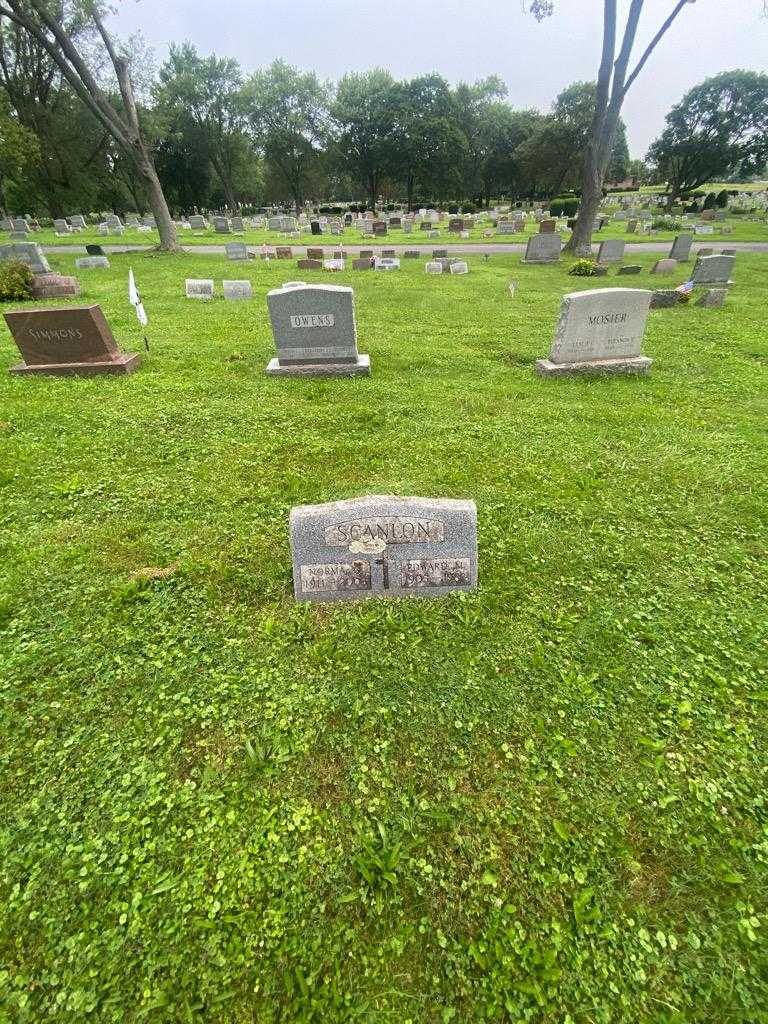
column 654, row 43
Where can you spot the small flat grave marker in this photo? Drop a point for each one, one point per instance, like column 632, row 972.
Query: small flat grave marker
column 383, row 546
column 92, row 263
column 235, row 291
column 199, row 289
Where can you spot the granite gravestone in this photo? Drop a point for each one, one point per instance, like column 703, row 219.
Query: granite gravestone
column 681, row 248
column 236, row 290
column 542, row 248
column 599, row 331
column 611, row 251
column 459, row 267
column 666, row 266
column 284, row 252
column 383, row 546
column 75, row 340
column 61, row 227
column 54, row 286
column 713, row 298
column 197, row 223
column 713, row 270
column 199, row 289
column 221, row 225
column 77, row 221
column 236, row 251
column 92, row 263
column 379, row 228
column 238, row 225
column 26, row 252
column 315, row 332
column 309, row 264
column 546, row 227
column 433, row 267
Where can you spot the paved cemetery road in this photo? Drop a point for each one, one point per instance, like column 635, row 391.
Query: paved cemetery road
column 425, row 250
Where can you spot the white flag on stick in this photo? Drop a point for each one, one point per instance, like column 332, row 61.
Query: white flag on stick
column 135, row 299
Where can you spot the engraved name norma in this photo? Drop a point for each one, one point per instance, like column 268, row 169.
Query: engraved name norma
column 336, row 576
column 313, row 320
column 390, row 529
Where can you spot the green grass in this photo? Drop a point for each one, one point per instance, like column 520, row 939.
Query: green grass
column 544, row 801
column 743, row 230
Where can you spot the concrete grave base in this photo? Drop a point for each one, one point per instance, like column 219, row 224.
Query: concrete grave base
column 636, row 365
column 121, row 365
column 361, row 368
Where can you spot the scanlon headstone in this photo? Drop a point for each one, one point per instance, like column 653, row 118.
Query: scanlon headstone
column 713, row 270
column 599, row 331
column 26, row 252
column 199, row 288
column 681, row 248
column 383, row 546
column 542, row 248
column 74, row 340
column 235, row 290
column 315, row 332
column 611, row 251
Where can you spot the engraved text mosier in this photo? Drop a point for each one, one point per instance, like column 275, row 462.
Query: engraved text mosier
column 313, row 320
column 392, row 530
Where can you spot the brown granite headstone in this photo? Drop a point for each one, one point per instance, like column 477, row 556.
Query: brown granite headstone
column 284, row 252
column 54, row 286
column 546, row 227
column 309, row 264
column 76, row 340
column 315, row 254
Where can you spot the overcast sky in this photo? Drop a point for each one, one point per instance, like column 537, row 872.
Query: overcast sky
column 465, row 40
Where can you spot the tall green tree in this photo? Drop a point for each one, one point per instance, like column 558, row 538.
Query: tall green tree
column 473, row 111
column 425, row 139
column 364, row 114
column 288, row 115
column 18, row 148
column 56, row 29
column 208, row 93
column 552, row 156
column 717, row 128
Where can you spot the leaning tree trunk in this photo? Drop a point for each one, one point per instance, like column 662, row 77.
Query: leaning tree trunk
column 580, row 243
column 147, row 174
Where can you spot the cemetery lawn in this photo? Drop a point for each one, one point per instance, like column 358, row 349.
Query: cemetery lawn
column 544, row 801
column 743, row 230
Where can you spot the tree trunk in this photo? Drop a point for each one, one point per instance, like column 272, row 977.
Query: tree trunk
column 580, row 243
column 145, row 168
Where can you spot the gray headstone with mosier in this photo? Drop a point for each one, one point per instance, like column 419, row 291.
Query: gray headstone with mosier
column 599, row 331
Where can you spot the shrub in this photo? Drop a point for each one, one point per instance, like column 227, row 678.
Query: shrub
column 583, row 268
column 453, row 208
column 665, row 224
column 15, row 281
column 722, row 199
column 469, row 208
column 711, row 201
column 563, row 207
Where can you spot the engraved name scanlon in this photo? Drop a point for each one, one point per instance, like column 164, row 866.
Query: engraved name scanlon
column 384, row 545
column 313, row 320
column 392, row 530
